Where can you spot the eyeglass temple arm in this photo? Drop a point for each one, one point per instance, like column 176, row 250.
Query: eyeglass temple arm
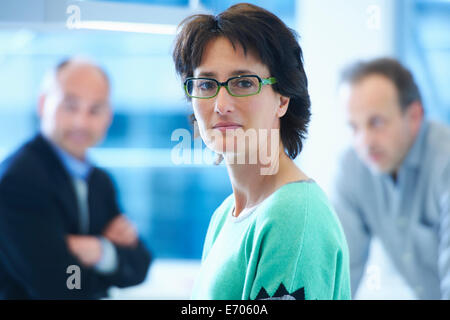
column 270, row 80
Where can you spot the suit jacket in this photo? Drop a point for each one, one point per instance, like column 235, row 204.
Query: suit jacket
column 38, row 209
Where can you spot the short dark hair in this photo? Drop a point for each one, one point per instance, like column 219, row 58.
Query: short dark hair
column 263, row 33
column 402, row 78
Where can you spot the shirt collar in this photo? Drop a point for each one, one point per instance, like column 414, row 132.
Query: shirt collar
column 76, row 168
column 415, row 153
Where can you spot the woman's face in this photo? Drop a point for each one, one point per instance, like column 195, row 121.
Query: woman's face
column 225, row 120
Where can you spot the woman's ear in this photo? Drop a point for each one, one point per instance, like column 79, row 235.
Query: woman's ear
column 282, row 108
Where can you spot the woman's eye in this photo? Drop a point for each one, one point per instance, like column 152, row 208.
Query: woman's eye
column 206, row 85
column 245, row 84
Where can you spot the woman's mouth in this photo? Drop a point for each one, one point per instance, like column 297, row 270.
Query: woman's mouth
column 223, row 126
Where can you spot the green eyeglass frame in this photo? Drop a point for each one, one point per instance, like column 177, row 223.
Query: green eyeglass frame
column 261, row 82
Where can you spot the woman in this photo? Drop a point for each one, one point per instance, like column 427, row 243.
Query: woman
column 276, row 236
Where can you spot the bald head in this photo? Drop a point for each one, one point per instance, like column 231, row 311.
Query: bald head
column 52, row 76
column 74, row 106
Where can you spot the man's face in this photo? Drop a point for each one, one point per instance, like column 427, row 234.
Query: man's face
column 382, row 132
column 75, row 113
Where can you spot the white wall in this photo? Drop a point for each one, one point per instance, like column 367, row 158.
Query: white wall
column 332, row 34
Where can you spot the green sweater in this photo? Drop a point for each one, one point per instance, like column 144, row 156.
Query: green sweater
column 290, row 247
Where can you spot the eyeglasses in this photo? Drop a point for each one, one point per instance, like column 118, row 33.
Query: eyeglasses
column 240, row 86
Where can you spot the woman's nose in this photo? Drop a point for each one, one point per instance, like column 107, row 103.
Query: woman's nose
column 224, row 102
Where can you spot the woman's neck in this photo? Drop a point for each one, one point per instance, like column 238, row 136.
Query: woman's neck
column 250, row 187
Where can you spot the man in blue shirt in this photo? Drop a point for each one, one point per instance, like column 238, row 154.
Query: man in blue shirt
column 394, row 183
column 57, row 210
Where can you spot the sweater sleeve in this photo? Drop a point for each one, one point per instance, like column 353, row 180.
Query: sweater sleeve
column 300, row 253
column 275, row 262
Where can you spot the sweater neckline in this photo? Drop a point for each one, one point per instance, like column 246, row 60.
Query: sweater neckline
column 248, row 211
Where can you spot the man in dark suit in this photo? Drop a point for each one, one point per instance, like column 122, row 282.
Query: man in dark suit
column 62, row 235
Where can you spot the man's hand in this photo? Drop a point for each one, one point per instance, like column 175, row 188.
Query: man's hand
column 121, row 232
column 88, row 249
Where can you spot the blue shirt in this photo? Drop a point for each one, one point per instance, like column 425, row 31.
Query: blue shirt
column 411, row 217
column 75, row 167
column 78, row 169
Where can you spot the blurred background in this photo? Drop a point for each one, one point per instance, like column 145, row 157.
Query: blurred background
column 171, row 204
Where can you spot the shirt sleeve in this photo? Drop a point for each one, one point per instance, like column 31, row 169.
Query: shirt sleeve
column 356, row 230
column 108, row 262
column 444, row 237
